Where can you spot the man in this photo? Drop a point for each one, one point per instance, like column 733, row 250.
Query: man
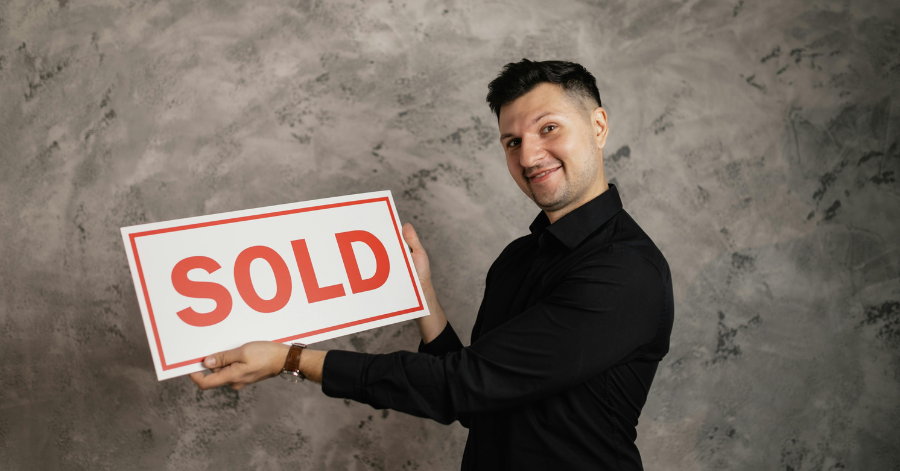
column 575, row 317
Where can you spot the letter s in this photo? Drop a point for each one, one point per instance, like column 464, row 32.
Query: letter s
column 202, row 290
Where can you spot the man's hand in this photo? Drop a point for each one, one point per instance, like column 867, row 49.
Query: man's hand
column 252, row 362
column 429, row 326
column 420, row 258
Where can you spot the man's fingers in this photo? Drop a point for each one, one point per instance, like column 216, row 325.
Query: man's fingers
column 420, row 258
column 223, row 359
column 214, row 380
column 252, row 362
column 196, row 377
column 409, row 234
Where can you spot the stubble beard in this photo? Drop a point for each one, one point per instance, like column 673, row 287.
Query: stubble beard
column 566, row 193
column 552, row 202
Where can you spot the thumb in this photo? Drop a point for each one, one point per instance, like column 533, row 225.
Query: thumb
column 223, row 359
column 409, row 234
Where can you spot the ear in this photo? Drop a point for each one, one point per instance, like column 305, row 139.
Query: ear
column 600, row 126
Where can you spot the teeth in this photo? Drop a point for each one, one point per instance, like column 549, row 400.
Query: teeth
column 541, row 174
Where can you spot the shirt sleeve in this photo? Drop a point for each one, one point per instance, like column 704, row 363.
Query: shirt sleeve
column 446, row 342
column 600, row 314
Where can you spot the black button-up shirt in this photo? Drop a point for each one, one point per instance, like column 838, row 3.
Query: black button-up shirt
column 575, row 319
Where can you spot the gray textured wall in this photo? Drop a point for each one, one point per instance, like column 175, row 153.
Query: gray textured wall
column 755, row 141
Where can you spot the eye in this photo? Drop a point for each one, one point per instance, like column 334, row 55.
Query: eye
column 513, row 142
column 548, row 128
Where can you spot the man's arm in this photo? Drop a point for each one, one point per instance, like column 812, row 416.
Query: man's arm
column 255, row 361
column 605, row 312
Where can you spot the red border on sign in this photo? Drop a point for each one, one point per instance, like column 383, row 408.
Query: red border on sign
column 137, row 262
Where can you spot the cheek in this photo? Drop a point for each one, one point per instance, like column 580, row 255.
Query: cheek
column 568, row 149
column 515, row 169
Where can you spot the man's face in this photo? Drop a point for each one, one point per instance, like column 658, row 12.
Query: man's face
column 553, row 144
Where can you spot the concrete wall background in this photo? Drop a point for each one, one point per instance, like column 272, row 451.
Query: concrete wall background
column 756, row 141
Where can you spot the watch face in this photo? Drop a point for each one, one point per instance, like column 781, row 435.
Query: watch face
column 291, row 376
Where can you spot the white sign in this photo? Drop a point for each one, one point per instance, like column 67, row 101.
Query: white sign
column 303, row 272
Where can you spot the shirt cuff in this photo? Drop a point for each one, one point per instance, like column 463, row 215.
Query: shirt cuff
column 342, row 374
column 446, row 342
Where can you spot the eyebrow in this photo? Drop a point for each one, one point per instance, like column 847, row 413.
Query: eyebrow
column 535, row 120
column 541, row 117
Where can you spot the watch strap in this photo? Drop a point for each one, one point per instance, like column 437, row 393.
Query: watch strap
column 291, row 369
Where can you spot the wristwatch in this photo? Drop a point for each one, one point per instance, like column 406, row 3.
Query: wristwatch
column 291, row 370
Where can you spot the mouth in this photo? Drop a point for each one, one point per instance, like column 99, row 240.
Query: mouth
column 539, row 177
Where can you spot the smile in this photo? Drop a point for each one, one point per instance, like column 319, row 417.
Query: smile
column 543, row 175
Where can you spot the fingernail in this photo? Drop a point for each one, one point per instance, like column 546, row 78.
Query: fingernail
column 210, row 362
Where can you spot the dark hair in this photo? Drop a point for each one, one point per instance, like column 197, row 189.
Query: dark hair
column 518, row 78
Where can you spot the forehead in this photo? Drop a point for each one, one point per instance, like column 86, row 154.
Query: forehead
column 542, row 99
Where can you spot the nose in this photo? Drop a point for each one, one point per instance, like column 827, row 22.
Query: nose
column 532, row 152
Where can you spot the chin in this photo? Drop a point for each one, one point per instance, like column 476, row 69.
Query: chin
column 552, row 207
column 550, row 202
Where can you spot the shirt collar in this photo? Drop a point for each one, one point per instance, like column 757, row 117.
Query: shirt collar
column 574, row 227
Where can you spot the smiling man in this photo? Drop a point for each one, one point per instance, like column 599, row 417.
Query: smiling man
column 575, row 316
